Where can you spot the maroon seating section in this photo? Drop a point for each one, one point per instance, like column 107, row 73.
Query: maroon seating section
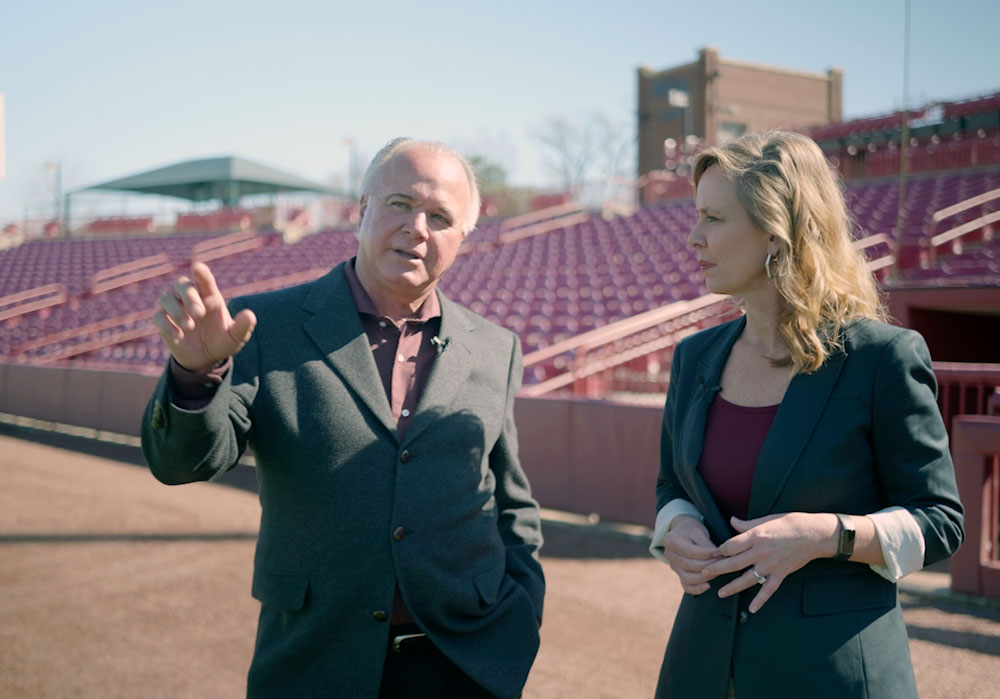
column 546, row 288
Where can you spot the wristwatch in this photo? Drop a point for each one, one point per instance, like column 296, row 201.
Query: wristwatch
column 845, row 544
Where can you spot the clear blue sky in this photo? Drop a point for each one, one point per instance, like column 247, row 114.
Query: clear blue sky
column 109, row 88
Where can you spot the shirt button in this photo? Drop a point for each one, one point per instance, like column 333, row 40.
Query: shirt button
column 744, row 617
column 405, row 413
column 398, row 533
column 381, row 323
column 379, row 615
column 405, row 456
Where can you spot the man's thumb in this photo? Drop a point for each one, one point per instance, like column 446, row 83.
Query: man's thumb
column 243, row 325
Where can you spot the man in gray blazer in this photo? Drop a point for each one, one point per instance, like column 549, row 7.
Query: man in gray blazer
column 398, row 547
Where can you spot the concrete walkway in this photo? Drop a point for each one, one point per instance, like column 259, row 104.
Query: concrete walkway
column 114, row 586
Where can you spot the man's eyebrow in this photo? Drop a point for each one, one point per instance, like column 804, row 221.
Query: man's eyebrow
column 440, row 207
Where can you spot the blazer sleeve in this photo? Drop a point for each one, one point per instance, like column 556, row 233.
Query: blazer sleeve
column 183, row 446
column 911, row 444
column 668, row 488
column 519, row 520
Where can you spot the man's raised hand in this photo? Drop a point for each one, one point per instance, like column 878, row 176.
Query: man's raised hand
column 196, row 325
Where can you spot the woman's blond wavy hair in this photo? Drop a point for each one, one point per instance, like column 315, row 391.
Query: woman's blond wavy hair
column 791, row 192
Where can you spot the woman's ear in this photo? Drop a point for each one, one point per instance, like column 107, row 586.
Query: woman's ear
column 773, row 246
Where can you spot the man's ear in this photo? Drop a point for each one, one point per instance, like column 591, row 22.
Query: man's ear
column 362, row 205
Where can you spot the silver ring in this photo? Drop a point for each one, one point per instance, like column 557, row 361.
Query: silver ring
column 761, row 579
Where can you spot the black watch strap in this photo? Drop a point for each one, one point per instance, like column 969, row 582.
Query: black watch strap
column 845, row 543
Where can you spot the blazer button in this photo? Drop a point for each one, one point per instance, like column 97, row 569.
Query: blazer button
column 379, row 615
column 398, row 533
column 744, row 616
column 405, row 456
column 158, row 420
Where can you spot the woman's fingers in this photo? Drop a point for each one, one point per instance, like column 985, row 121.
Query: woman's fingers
column 730, row 564
column 696, row 589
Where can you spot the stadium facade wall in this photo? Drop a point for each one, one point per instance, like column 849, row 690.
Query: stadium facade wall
column 586, row 457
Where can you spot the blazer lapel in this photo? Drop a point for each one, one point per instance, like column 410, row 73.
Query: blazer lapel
column 450, row 370
column 336, row 330
column 793, row 425
column 705, row 388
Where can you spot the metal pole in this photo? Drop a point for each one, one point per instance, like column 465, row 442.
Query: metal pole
column 904, row 139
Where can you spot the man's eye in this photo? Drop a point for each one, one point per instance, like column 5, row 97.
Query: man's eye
column 440, row 218
column 399, row 205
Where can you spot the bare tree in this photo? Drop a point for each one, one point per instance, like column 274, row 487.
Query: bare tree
column 587, row 152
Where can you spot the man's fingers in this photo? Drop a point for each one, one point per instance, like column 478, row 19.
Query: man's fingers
column 169, row 332
column 172, row 306
column 186, row 292
column 205, row 280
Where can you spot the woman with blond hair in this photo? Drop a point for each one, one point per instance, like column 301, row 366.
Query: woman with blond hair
column 804, row 462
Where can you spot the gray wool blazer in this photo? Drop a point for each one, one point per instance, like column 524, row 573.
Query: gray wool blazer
column 860, row 434
column 349, row 510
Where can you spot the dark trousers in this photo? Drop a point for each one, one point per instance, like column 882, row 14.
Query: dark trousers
column 418, row 670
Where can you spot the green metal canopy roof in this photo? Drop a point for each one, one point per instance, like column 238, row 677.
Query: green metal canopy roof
column 227, row 178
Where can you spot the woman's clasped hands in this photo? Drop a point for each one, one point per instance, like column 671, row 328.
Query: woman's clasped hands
column 766, row 550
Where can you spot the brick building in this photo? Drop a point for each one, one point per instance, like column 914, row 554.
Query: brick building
column 717, row 99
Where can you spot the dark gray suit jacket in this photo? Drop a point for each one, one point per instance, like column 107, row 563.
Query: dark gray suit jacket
column 860, row 434
column 349, row 511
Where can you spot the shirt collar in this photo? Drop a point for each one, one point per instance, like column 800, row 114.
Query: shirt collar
column 430, row 308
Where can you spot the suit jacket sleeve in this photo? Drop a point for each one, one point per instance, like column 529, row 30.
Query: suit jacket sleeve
column 911, row 444
column 519, row 521
column 183, row 446
column 667, row 486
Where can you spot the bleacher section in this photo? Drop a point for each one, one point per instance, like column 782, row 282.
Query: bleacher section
column 940, row 136
column 547, row 287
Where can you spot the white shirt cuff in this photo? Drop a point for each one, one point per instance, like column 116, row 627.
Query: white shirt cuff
column 901, row 540
column 664, row 518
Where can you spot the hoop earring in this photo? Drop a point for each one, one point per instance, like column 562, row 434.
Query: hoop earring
column 767, row 266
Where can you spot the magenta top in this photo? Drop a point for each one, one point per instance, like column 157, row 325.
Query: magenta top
column 734, row 435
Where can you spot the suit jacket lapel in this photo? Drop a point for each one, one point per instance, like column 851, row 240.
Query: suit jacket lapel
column 793, row 425
column 450, row 370
column 693, row 438
column 336, row 329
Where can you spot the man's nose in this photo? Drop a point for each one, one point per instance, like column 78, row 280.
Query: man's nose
column 418, row 223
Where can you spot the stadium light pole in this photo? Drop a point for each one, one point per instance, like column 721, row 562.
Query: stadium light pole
column 55, row 168
column 904, row 138
column 351, row 168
